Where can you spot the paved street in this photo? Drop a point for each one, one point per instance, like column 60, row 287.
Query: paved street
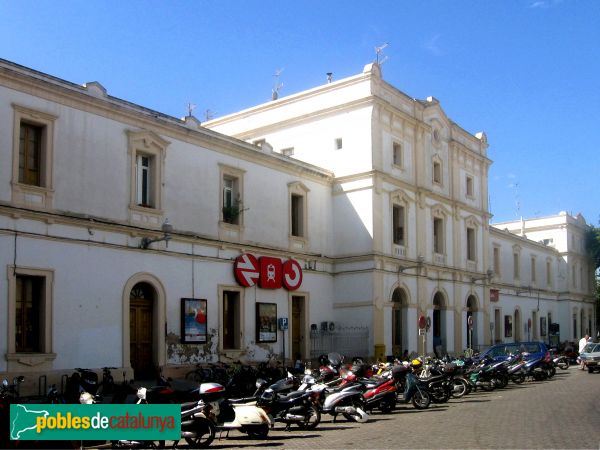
column 561, row 413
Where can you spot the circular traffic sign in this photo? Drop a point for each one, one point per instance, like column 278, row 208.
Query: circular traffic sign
column 422, row 322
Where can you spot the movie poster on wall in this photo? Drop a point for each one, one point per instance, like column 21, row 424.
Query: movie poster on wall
column 193, row 321
column 266, row 322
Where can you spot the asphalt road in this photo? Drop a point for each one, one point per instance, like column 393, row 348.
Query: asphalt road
column 563, row 412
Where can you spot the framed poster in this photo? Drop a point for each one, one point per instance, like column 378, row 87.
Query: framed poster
column 266, row 322
column 507, row 326
column 193, row 321
column 542, row 326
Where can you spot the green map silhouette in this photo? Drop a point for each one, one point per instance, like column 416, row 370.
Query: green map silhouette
column 24, row 419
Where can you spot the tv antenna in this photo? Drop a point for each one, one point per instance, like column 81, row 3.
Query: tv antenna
column 378, row 51
column 190, row 108
column 277, row 85
column 208, row 115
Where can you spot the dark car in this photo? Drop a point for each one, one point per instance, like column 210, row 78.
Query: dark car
column 500, row 352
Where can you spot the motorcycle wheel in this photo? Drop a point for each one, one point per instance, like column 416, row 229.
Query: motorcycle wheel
column 439, row 396
column 205, row 434
column 387, row 406
column 564, row 364
column 459, row 387
column 518, row 378
column 312, row 418
column 421, row 399
column 258, row 431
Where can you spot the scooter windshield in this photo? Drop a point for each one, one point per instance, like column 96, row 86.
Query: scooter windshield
column 335, row 359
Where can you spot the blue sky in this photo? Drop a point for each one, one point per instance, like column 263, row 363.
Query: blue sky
column 524, row 71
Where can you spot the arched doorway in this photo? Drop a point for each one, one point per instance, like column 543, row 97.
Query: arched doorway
column 518, row 326
column 399, row 302
column 142, row 300
column 471, row 317
column 438, row 324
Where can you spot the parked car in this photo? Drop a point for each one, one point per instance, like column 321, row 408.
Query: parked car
column 591, row 356
column 500, row 352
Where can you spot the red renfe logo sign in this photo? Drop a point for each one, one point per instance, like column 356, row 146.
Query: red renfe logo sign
column 268, row 272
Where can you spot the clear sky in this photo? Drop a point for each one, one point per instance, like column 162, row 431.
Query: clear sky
column 524, row 71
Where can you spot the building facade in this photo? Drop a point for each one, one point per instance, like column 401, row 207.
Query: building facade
column 140, row 241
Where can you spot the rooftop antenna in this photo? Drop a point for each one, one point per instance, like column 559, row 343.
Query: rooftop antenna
column 190, row 108
column 208, row 115
column 329, row 77
column 277, row 86
column 378, row 50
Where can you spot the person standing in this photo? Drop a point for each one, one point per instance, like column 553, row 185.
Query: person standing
column 582, row 343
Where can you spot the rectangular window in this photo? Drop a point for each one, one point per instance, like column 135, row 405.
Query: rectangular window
column 471, row 255
column 516, row 268
column 437, row 172
column 145, row 180
column 398, row 225
column 297, row 218
column 29, row 301
column 397, row 154
column 230, row 200
column 497, row 261
column 549, row 273
column 469, row 186
column 438, row 235
column 30, row 154
column 231, row 320
column 338, row 143
column 573, row 276
column 533, row 274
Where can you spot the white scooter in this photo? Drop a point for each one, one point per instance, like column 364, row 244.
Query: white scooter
column 240, row 414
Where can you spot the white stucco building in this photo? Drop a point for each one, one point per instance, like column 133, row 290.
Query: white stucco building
column 350, row 204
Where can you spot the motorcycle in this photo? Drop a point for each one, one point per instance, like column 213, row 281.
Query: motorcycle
column 293, row 408
column 345, row 400
column 414, row 390
column 242, row 414
column 197, row 429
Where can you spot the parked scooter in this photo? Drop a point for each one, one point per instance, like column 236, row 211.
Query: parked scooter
column 345, row 400
column 413, row 389
column 294, row 408
column 241, row 414
column 196, row 428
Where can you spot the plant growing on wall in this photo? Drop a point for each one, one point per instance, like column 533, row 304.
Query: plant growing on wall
column 230, row 213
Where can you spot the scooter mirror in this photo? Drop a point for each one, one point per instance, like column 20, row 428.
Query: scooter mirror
column 5, row 383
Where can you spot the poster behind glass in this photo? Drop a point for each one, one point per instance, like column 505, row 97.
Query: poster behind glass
column 542, row 326
column 193, row 321
column 266, row 322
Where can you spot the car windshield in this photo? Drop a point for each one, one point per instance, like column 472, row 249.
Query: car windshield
column 590, row 348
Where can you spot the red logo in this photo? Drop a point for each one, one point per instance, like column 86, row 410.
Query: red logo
column 292, row 275
column 245, row 270
column 270, row 273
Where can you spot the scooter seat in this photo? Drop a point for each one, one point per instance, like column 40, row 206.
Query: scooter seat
column 187, row 406
column 238, row 401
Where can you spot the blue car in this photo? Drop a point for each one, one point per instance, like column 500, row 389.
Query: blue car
column 500, row 352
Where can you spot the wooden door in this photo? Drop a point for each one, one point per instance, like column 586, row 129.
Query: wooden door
column 140, row 334
column 297, row 330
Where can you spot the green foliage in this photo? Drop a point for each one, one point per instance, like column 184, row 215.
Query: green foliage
column 592, row 241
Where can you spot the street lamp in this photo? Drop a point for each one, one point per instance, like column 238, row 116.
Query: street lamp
column 166, row 228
